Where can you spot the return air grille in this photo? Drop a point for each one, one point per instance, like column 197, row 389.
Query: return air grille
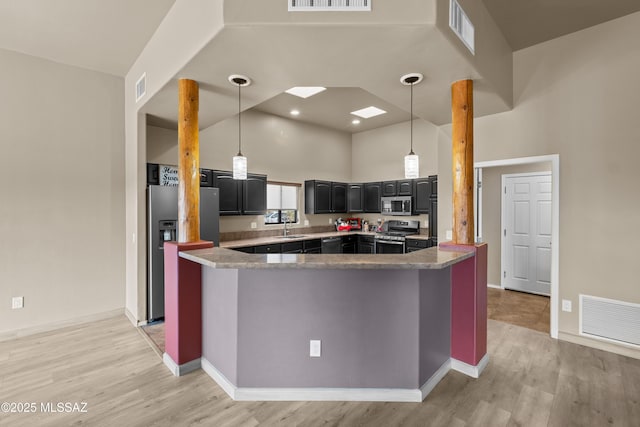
column 141, row 87
column 329, row 5
column 462, row 26
column 609, row 319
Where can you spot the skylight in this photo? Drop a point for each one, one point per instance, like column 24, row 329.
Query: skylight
column 305, row 91
column 368, row 112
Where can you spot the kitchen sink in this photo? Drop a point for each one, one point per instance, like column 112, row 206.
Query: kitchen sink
column 293, row 236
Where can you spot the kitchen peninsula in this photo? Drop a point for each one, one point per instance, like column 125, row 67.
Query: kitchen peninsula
column 328, row 326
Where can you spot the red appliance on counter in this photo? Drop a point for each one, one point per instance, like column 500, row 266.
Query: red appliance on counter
column 350, row 224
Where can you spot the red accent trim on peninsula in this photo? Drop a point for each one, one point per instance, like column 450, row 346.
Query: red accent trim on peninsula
column 469, row 304
column 183, row 302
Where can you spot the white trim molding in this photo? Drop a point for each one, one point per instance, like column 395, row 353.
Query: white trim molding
column 470, row 370
column 554, row 159
column 325, row 394
column 180, row 370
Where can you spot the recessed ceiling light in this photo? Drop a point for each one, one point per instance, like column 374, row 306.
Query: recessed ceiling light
column 368, row 112
column 355, row 121
column 305, row 91
column 295, row 112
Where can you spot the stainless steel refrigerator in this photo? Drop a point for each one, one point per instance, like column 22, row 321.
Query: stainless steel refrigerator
column 162, row 223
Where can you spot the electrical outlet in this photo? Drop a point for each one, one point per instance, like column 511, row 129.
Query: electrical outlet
column 330, row 220
column 566, row 305
column 17, row 302
column 449, row 234
column 254, row 225
column 314, row 348
column 306, row 222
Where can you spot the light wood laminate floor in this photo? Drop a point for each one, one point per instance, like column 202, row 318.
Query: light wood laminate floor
column 531, row 380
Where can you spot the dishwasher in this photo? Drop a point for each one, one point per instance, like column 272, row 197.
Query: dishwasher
column 332, row 245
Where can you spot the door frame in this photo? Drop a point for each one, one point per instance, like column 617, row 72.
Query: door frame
column 554, row 159
column 503, row 207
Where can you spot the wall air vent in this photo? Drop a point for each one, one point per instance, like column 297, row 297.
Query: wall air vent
column 329, row 5
column 141, row 87
column 461, row 25
column 610, row 320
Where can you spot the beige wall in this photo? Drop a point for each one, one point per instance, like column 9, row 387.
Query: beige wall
column 378, row 154
column 285, row 150
column 492, row 211
column 188, row 27
column 577, row 96
column 62, row 210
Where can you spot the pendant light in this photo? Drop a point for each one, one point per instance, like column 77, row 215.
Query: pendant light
column 239, row 161
column 411, row 161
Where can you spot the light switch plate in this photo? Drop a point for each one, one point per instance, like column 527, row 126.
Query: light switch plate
column 330, row 220
column 306, row 222
column 17, row 302
column 449, row 234
column 254, row 225
column 314, row 348
column 566, row 305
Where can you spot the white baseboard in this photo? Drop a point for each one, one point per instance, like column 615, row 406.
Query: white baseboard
column 491, row 285
column 600, row 345
column 435, row 379
column 325, row 394
column 470, row 370
column 38, row 329
column 132, row 318
column 180, row 370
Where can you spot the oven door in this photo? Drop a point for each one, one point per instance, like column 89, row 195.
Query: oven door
column 389, row 247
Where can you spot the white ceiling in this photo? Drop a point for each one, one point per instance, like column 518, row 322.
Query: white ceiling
column 101, row 35
column 108, row 35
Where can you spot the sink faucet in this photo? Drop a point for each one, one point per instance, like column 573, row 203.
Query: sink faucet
column 285, row 230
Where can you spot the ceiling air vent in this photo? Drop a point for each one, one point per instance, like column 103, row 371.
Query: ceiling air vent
column 329, row 5
column 141, row 87
column 461, row 25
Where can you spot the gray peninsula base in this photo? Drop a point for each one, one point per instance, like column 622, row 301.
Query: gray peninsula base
column 385, row 333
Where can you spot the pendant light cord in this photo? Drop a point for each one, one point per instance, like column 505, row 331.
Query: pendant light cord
column 239, row 124
column 411, row 120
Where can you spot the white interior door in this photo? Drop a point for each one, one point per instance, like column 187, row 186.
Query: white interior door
column 526, row 235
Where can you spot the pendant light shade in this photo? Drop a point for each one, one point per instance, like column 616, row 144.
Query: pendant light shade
column 239, row 167
column 411, row 166
column 411, row 161
column 239, row 160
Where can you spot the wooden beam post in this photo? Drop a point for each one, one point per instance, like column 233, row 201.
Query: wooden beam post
column 188, row 162
column 462, row 140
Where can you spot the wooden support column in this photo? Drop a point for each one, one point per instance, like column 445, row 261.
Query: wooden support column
column 182, row 278
column 468, row 278
column 462, row 140
column 188, row 162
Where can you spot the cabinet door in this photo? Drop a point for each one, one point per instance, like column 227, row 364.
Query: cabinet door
column 433, row 218
column 434, row 185
column 405, row 187
column 355, row 196
column 317, row 197
column 230, row 192
column 422, row 195
column 254, row 195
column 372, row 194
column 389, row 188
column 338, row 197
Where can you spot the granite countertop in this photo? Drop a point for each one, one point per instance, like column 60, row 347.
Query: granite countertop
column 431, row 258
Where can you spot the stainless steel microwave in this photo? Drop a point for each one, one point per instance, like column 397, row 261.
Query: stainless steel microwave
column 400, row 205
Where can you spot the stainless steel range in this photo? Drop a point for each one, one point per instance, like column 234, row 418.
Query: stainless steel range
column 391, row 240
